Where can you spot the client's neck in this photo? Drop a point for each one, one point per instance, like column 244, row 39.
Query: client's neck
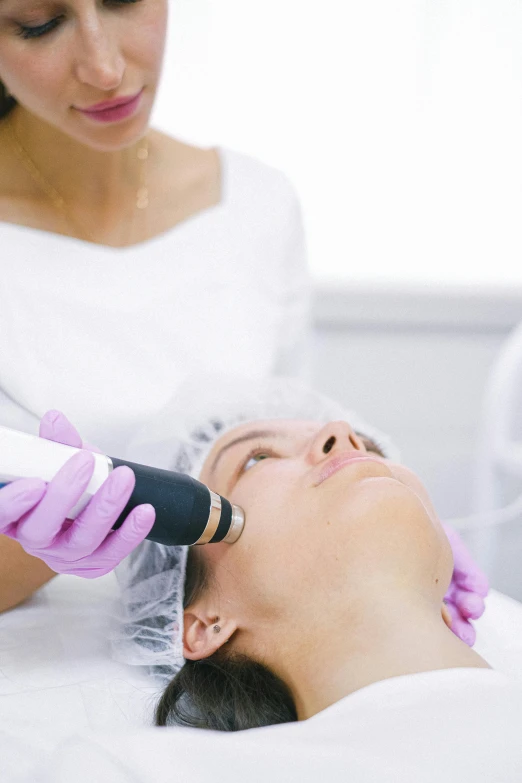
column 388, row 642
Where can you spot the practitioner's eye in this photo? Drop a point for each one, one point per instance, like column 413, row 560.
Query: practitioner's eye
column 26, row 31
column 121, row 2
column 37, row 31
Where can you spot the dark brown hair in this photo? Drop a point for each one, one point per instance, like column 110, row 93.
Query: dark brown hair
column 226, row 691
column 7, row 102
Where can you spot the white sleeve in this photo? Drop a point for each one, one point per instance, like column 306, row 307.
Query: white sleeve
column 294, row 355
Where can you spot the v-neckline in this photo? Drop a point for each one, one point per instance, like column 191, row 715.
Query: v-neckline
column 145, row 243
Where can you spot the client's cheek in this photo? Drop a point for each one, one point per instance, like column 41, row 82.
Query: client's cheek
column 412, row 481
column 407, row 477
column 257, row 491
column 267, row 520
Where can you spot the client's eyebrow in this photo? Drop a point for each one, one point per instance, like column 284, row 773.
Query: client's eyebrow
column 242, row 439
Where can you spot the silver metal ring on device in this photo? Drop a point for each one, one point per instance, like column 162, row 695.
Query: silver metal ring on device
column 213, row 519
column 109, row 463
column 236, row 526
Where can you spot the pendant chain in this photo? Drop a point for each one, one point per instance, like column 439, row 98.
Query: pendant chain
column 58, row 202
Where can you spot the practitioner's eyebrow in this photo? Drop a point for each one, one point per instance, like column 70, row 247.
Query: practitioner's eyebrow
column 251, row 435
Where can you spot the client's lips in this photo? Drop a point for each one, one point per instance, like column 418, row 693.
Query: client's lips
column 347, row 458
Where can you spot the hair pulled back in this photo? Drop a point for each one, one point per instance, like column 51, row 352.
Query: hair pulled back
column 226, row 691
column 7, row 102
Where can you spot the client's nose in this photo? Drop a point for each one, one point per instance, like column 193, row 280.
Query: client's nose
column 333, row 437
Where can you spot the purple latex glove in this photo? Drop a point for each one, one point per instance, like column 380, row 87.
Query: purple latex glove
column 469, row 586
column 34, row 513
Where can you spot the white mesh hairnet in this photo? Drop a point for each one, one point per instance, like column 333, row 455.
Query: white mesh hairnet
column 179, row 438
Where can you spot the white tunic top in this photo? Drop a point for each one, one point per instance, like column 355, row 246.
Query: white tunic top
column 107, row 334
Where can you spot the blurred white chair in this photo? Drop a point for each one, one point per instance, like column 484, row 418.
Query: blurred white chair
column 497, row 537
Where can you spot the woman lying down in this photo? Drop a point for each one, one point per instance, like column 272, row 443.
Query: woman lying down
column 337, row 581
column 327, row 615
column 336, row 584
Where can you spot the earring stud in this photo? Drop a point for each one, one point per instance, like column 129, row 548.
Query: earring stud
column 217, row 629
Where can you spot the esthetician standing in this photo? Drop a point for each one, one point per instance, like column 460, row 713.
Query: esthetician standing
column 129, row 259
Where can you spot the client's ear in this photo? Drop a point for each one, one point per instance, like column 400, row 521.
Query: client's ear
column 204, row 633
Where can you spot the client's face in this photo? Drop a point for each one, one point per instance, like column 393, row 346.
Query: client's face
column 329, row 522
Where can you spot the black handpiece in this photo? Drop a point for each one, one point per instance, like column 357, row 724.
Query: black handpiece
column 187, row 511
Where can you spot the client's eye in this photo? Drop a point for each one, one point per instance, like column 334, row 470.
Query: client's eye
column 253, row 460
column 253, row 457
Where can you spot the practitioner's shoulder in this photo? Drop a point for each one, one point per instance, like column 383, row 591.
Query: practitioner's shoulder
column 252, row 179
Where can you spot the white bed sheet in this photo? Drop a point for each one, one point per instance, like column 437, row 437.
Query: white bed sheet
column 453, row 725
column 55, row 661
column 57, row 678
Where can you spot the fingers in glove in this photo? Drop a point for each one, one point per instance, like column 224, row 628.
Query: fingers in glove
column 451, row 592
column 123, row 541
column 466, row 572
column 470, row 605
column 95, row 522
column 56, row 426
column 477, row 583
column 16, row 499
column 39, row 529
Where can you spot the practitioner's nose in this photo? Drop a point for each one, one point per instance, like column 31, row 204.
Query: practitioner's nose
column 99, row 62
column 336, row 436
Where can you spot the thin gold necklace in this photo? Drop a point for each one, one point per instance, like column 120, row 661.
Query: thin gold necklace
column 142, row 193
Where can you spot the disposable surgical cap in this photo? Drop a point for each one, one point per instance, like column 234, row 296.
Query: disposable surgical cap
column 150, row 629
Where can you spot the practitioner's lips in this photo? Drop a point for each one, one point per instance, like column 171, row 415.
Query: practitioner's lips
column 347, row 458
column 114, row 110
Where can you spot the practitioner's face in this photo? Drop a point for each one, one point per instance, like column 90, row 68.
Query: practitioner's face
column 322, row 528
column 60, row 56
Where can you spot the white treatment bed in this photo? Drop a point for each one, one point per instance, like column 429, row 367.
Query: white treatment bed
column 57, row 678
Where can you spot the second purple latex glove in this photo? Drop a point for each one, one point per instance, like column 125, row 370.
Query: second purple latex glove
column 469, row 586
column 87, row 546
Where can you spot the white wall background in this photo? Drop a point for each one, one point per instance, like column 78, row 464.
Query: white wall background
column 399, row 124
column 415, row 364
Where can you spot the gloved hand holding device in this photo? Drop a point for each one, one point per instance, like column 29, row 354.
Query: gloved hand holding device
column 34, row 513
